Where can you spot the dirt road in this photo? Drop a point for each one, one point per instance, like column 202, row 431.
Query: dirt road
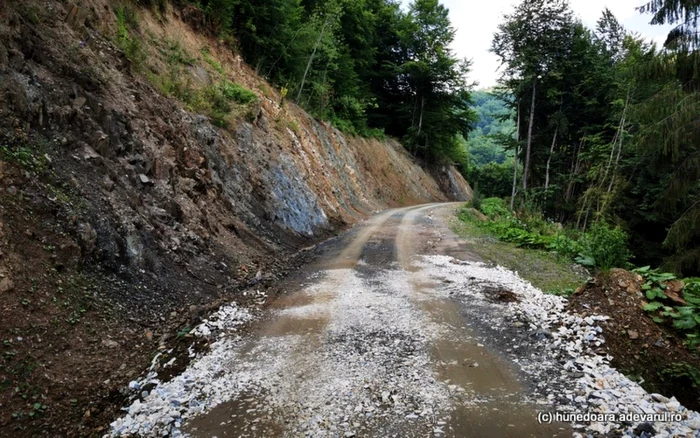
column 393, row 331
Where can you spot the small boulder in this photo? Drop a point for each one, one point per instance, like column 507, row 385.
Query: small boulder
column 6, row 285
column 109, row 343
column 145, row 179
column 87, row 236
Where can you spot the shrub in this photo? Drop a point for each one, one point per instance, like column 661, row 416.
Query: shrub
column 236, row 93
column 566, row 246
column 606, row 247
column 477, row 199
column 494, row 208
column 132, row 48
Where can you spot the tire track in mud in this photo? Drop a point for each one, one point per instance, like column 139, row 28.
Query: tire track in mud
column 352, row 253
column 493, row 406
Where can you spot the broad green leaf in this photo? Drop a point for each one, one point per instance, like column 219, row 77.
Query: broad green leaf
column 653, row 306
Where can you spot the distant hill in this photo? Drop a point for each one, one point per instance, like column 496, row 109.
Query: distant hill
column 483, row 147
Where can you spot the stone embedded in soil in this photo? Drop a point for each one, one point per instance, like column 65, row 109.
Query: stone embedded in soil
column 633, row 334
column 6, row 285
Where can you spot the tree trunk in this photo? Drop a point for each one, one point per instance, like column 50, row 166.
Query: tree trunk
column 420, row 119
column 514, row 192
column 311, row 58
column 526, row 167
column 575, row 162
column 619, row 140
column 549, row 160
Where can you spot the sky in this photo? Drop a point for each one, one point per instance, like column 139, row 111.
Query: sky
column 477, row 20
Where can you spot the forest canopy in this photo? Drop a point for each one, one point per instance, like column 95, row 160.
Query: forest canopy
column 586, row 126
column 367, row 66
column 609, row 124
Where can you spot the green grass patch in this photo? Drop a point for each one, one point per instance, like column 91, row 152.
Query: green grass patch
column 127, row 24
column 547, row 271
column 206, row 55
column 24, row 157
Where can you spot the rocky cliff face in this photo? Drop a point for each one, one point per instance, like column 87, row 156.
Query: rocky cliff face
column 121, row 206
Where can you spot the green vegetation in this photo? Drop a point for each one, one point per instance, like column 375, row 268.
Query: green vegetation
column 127, row 22
column 602, row 247
column 212, row 62
column 368, row 67
column 685, row 318
column 495, row 124
column 221, row 101
column 682, row 371
column 23, row 156
column 606, row 126
column 235, row 93
column 545, row 269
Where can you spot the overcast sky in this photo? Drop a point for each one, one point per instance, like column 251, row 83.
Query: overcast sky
column 477, row 20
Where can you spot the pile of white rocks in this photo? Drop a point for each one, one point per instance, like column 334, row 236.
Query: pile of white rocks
column 162, row 410
column 567, row 350
column 224, row 320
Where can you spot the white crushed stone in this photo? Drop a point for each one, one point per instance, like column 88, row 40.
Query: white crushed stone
column 369, row 367
column 196, row 390
column 368, row 370
column 568, row 342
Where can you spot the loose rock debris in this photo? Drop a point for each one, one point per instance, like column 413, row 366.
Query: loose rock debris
column 368, row 371
column 585, row 382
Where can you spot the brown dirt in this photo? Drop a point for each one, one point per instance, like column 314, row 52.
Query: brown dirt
column 640, row 347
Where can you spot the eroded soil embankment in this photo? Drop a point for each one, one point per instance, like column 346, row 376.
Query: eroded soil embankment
column 125, row 216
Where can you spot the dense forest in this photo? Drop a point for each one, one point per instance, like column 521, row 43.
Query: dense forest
column 490, row 144
column 495, row 122
column 608, row 124
column 367, row 66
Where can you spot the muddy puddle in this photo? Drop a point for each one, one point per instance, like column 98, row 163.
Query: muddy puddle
column 245, row 417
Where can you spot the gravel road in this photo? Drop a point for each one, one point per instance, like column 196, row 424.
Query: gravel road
column 397, row 330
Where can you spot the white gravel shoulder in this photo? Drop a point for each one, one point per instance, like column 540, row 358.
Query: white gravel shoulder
column 568, row 343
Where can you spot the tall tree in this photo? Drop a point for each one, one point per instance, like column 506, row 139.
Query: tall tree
column 438, row 108
column 529, row 43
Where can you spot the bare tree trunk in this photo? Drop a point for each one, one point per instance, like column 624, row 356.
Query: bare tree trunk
column 514, row 192
column 619, row 140
column 415, row 110
column 585, row 221
column 526, row 167
column 617, row 161
column 549, row 161
column 283, row 52
column 311, row 58
column 575, row 162
column 422, row 109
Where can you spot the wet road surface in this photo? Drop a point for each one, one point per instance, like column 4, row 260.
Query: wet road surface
column 360, row 345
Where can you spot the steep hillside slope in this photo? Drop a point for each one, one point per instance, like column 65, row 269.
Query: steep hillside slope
column 125, row 212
